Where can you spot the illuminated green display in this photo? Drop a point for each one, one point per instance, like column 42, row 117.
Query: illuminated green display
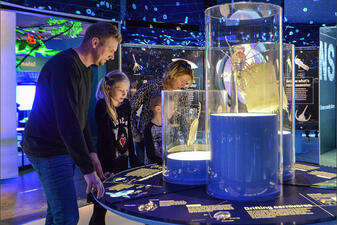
column 34, row 42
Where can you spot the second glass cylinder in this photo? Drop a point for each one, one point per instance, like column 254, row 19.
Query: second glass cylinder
column 185, row 151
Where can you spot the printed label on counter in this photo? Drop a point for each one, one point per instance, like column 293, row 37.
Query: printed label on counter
column 171, row 202
column 120, row 187
column 208, row 208
column 143, row 172
column 323, row 174
column 305, row 167
column 265, row 212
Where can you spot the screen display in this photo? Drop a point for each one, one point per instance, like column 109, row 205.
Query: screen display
column 25, row 96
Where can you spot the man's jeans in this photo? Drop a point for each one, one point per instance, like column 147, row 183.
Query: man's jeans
column 56, row 175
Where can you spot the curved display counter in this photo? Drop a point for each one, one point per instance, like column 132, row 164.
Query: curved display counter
column 140, row 194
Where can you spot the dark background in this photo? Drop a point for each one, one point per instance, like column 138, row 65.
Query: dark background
column 156, row 21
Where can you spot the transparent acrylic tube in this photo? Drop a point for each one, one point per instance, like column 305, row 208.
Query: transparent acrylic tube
column 244, row 58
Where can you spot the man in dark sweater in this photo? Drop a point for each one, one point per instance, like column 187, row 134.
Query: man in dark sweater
column 57, row 135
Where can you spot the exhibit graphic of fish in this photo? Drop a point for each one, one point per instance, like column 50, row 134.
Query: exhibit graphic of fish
column 119, row 179
column 192, row 136
column 301, row 117
column 222, row 215
column 150, row 206
column 136, row 67
column 124, row 194
column 254, row 72
column 300, row 63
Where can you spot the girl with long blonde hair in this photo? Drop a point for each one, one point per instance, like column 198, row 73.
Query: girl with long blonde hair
column 115, row 147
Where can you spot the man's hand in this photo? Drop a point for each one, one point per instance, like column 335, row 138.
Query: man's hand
column 97, row 165
column 94, row 184
column 108, row 174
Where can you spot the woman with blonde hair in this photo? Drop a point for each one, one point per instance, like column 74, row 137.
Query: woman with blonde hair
column 114, row 138
column 178, row 75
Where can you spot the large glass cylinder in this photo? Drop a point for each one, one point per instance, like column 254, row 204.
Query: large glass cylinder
column 244, row 57
column 185, row 154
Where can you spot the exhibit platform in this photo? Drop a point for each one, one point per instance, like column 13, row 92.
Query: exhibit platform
column 140, row 194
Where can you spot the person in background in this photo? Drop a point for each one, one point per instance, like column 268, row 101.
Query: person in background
column 153, row 132
column 177, row 75
column 57, row 136
column 114, row 138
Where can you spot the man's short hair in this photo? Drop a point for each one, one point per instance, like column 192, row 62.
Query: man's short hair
column 102, row 30
column 155, row 101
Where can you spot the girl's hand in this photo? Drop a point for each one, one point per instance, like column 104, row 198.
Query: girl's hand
column 137, row 138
